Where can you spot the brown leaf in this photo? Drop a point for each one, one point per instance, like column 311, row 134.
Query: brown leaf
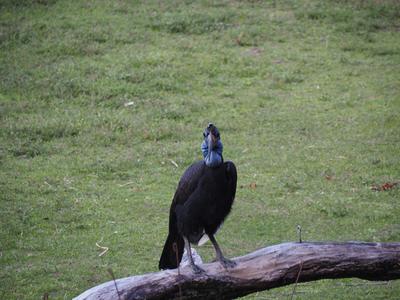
column 252, row 186
column 384, row 187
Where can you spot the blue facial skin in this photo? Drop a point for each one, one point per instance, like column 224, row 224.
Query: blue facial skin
column 212, row 158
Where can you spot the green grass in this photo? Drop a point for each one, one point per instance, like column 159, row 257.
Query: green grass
column 305, row 93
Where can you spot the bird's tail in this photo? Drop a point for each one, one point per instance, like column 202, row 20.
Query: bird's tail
column 172, row 252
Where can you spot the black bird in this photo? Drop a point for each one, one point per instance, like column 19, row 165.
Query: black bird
column 202, row 201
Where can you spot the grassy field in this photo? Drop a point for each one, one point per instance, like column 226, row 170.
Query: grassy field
column 100, row 99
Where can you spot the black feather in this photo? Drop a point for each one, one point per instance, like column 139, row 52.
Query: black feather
column 202, row 201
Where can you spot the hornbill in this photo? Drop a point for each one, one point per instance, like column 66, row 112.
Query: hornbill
column 202, row 201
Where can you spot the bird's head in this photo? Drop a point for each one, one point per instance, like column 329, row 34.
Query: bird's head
column 211, row 136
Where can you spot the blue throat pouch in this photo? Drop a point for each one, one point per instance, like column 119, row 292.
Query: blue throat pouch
column 212, row 158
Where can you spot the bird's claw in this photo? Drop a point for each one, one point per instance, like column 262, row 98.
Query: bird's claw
column 227, row 263
column 197, row 270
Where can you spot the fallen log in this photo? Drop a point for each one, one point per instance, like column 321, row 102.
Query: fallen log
column 266, row 268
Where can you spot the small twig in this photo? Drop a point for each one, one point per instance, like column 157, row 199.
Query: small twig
column 110, row 271
column 299, row 233
column 174, row 163
column 125, row 184
column 105, row 249
column 297, row 279
column 130, row 103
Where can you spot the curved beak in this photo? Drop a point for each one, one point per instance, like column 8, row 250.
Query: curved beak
column 211, row 141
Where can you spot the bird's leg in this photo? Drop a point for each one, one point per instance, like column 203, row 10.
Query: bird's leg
column 227, row 263
column 196, row 269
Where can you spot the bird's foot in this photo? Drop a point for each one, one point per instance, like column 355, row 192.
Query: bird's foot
column 197, row 270
column 227, row 263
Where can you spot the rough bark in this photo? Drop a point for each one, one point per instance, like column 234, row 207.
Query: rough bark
column 263, row 269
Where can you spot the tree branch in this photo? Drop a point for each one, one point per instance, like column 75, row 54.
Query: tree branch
column 263, row 269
